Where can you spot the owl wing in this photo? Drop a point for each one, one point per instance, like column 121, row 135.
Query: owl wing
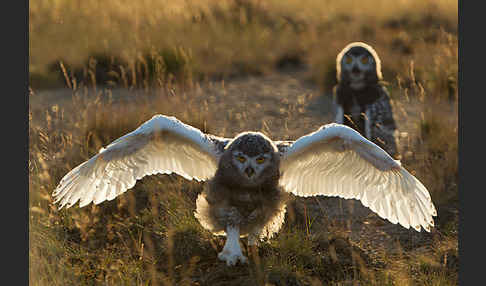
column 337, row 161
column 160, row 145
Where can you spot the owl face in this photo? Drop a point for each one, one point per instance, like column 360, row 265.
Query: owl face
column 251, row 167
column 251, row 159
column 358, row 65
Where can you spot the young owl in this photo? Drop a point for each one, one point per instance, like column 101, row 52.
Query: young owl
column 362, row 102
column 250, row 177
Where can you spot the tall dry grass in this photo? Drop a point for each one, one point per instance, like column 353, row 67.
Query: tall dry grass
column 124, row 61
column 198, row 39
column 149, row 236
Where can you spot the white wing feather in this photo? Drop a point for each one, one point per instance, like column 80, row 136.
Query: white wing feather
column 337, row 161
column 160, row 145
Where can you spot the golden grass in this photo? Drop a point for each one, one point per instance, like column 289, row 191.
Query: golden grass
column 176, row 58
column 149, row 235
column 228, row 37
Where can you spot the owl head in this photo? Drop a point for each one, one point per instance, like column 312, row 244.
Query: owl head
column 358, row 65
column 251, row 159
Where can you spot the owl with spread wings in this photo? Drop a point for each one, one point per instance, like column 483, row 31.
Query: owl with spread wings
column 249, row 177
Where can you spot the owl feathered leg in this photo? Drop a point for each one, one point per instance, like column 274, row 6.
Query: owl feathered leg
column 231, row 253
column 367, row 124
column 254, row 238
column 254, row 235
column 339, row 115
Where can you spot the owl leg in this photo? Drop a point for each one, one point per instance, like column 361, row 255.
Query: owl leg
column 232, row 251
column 339, row 115
column 253, row 238
column 367, row 124
column 254, row 235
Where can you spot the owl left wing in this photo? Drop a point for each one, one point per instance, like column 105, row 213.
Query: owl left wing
column 337, row 161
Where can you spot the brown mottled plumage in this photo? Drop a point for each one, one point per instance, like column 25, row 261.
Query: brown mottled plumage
column 361, row 97
column 232, row 198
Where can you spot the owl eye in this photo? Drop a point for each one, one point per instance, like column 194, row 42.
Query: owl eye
column 348, row 60
column 260, row 160
column 365, row 60
column 241, row 159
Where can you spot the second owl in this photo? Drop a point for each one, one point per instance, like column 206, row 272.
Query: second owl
column 362, row 102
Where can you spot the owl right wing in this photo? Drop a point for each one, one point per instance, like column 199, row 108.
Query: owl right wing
column 160, row 145
column 338, row 161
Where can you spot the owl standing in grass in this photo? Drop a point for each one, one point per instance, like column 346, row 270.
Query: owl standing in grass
column 362, row 101
column 250, row 177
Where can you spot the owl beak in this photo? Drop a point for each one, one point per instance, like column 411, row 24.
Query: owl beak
column 249, row 172
column 355, row 70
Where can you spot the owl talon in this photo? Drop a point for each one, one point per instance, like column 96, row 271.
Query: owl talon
column 231, row 253
column 232, row 258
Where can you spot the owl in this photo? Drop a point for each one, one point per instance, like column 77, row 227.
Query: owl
column 362, row 102
column 250, row 177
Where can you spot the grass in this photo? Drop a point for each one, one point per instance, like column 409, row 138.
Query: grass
column 223, row 67
column 184, row 40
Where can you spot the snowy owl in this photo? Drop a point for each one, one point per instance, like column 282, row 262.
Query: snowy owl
column 250, row 176
column 362, row 101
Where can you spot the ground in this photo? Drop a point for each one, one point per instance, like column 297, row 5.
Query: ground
column 344, row 236
column 97, row 70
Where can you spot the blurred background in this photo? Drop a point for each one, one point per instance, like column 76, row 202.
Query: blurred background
column 97, row 70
